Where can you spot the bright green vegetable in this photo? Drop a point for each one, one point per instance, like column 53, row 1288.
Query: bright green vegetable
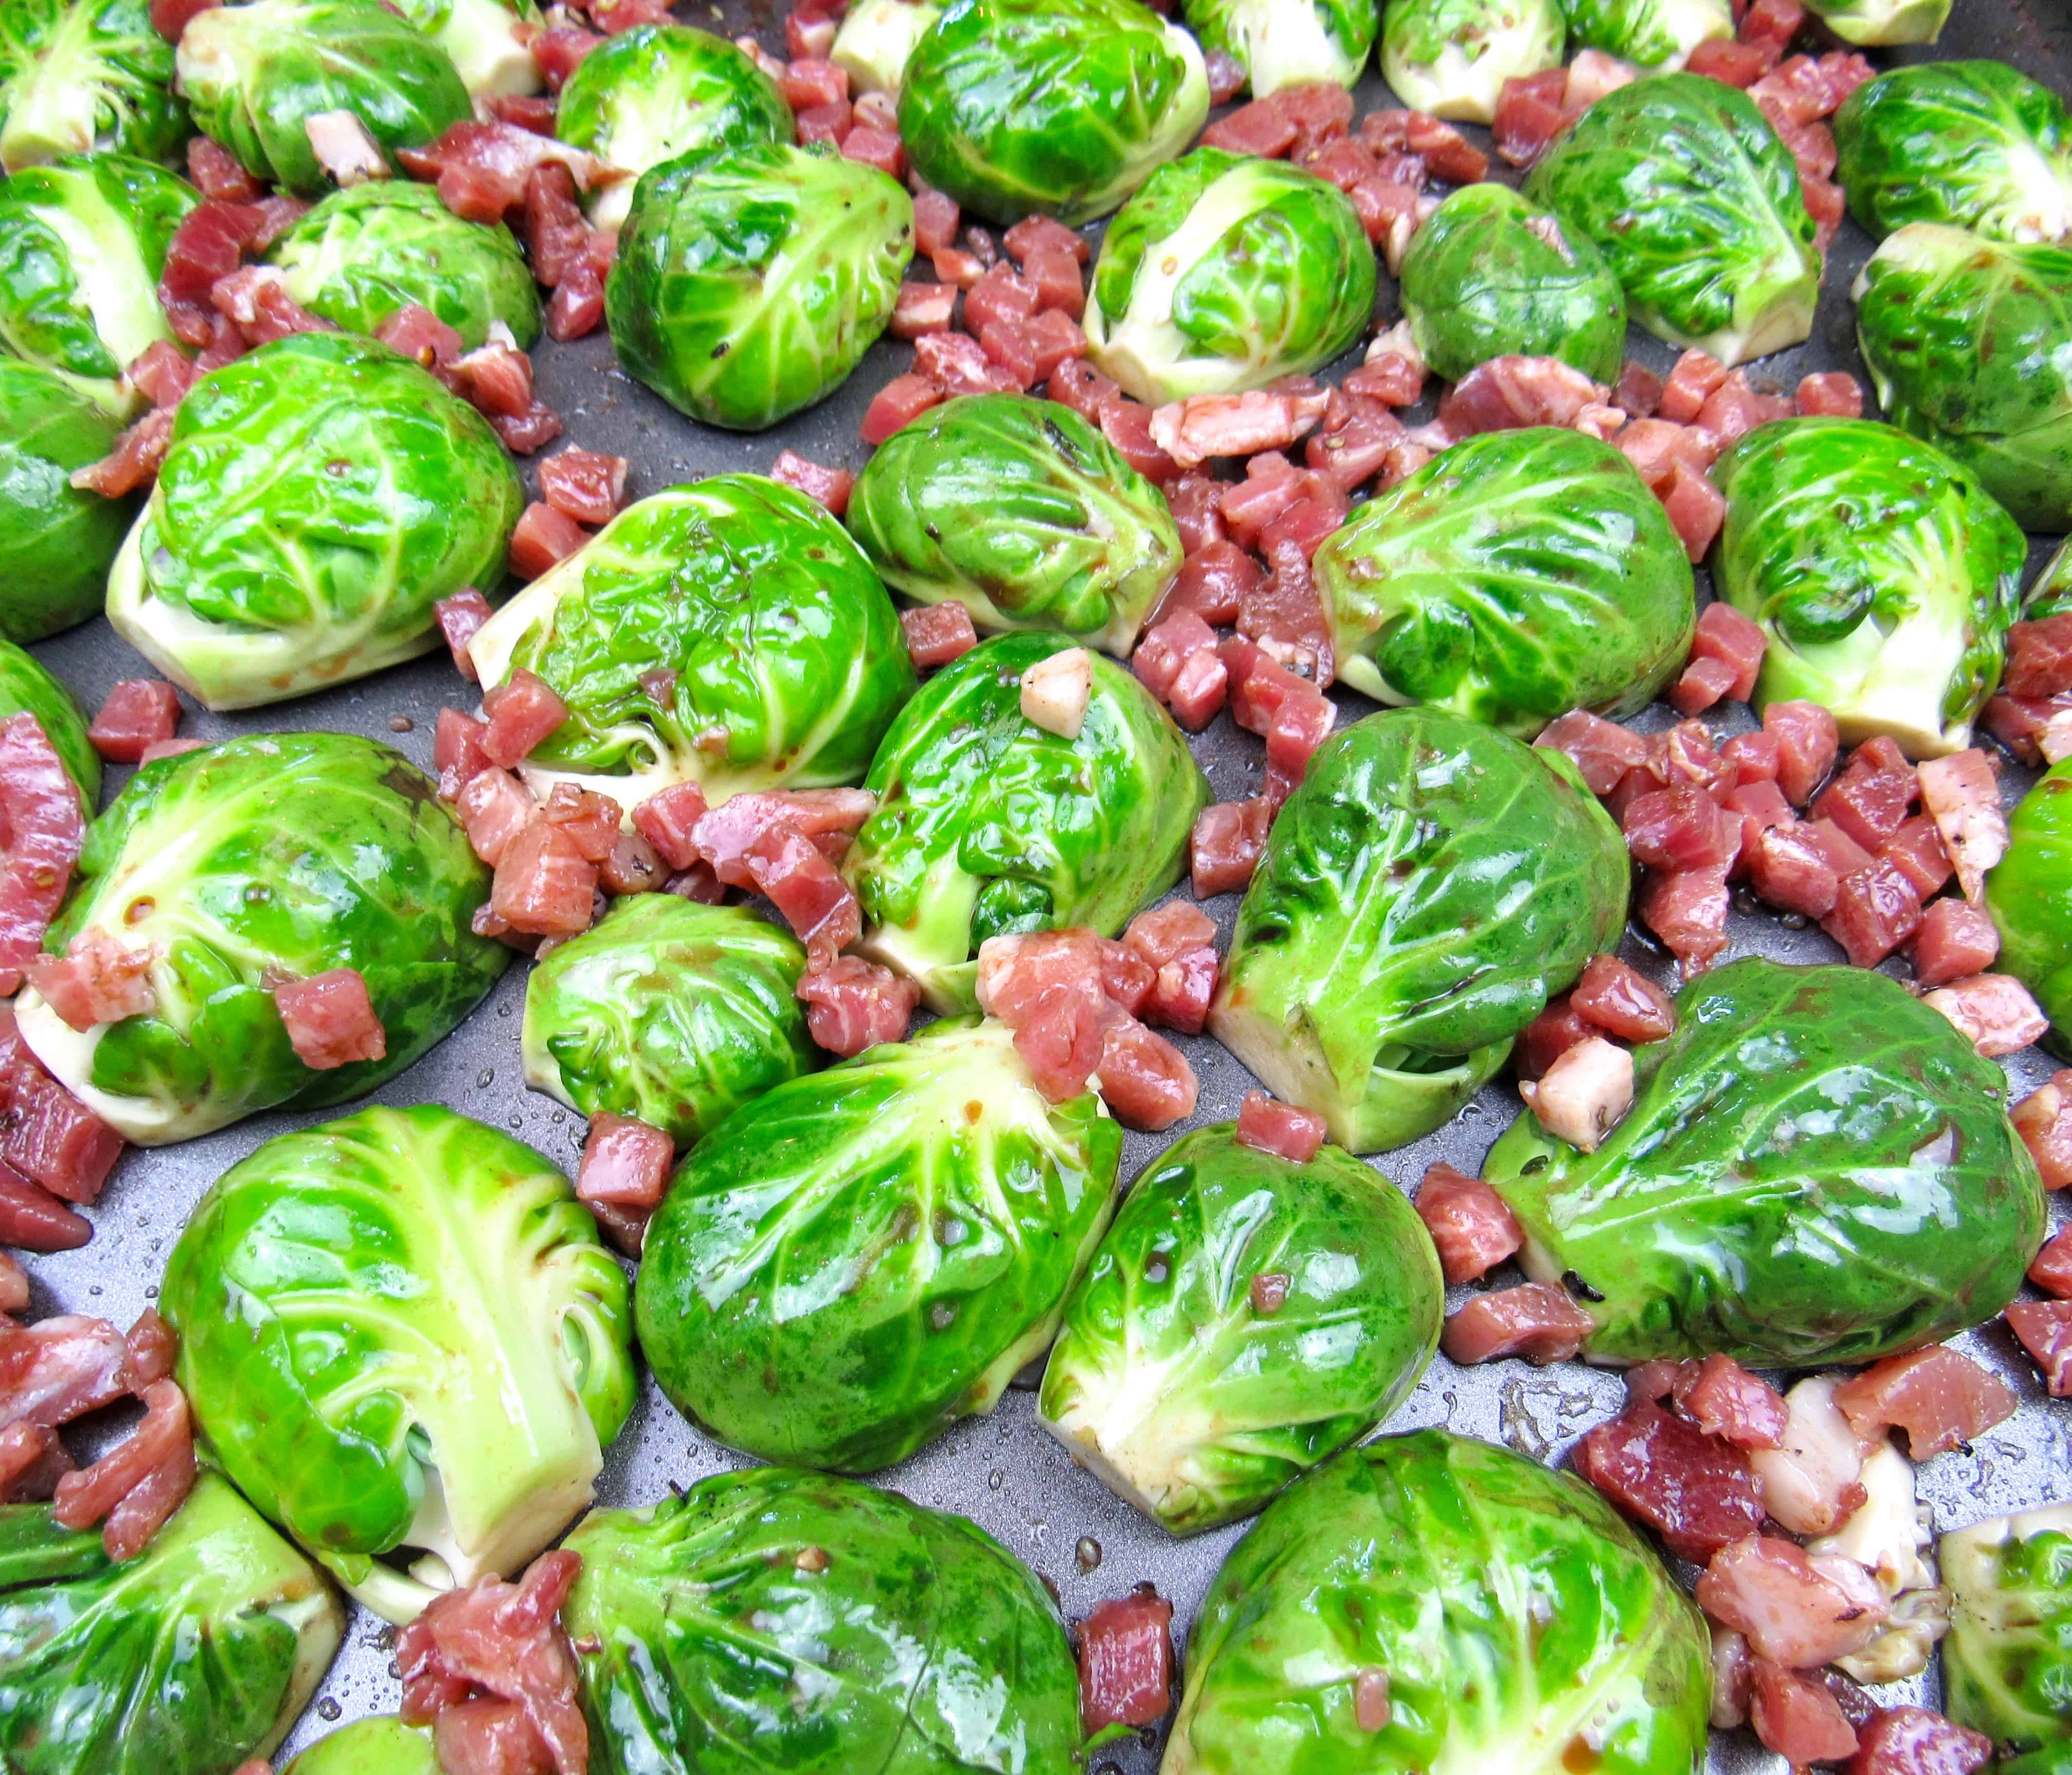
column 57, row 541
column 2004, row 1665
column 987, row 824
column 1489, row 276
column 267, row 857
column 1225, row 272
column 1969, row 345
column 382, row 1745
column 750, row 282
column 2030, row 897
column 1883, row 576
column 319, row 495
column 668, row 1011
column 399, row 1333
column 1513, row 577
column 257, row 73
column 1972, row 144
column 856, row 1630
column 1872, row 23
column 1427, row 888
column 1696, row 205
column 371, row 250
column 1817, row 1168
column 1194, row 1384
column 1072, row 537
column 80, row 74
column 487, row 40
column 186, row 1660
column 1451, row 57
column 787, row 659
column 853, row 1261
column 1286, row 43
column 661, row 90
column 27, row 688
column 876, row 38
column 1049, row 107
column 1517, row 1622
column 1654, row 33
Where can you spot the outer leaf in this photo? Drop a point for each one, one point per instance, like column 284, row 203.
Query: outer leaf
column 489, row 41
column 56, row 541
column 2004, row 1665
column 381, row 1745
column 1874, row 23
column 2030, row 897
column 876, row 38
column 80, row 74
column 1654, row 33
column 1286, row 43
column 1452, row 57
column 27, row 688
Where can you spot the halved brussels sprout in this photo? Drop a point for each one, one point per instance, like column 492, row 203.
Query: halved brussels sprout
column 876, row 38
column 1515, row 576
column 727, row 633
column 1507, row 1615
column 82, row 246
column 662, row 90
column 1049, row 107
column 1425, row 890
column 1225, row 272
column 987, row 824
column 856, row 1630
column 1873, row 23
column 400, row 1335
column 256, row 74
column 488, row 40
column 750, row 282
column 1696, row 205
column 381, row 1745
column 1286, row 43
column 57, row 541
column 1021, row 511
column 853, row 1261
column 195, row 1654
column 668, row 1011
column 80, row 74
column 319, row 495
column 269, row 857
column 1654, row 33
column 1245, row 1319
column 1969, row 345
column 1817, row 1168
column 371, row 250
column 27, row 688
column 1883, row 575
column 1452, row 57
column 2005, row 1663
column 1973, row 144
column 1489, row 276
column 2030, row 897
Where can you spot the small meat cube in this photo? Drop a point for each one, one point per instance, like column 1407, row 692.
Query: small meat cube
column 1472, row 1226
column 1832, row 393
column 1687, row 910
column 2044, row 1121
column 461, row 618
column 1603, row 750
column 1724, row 1400
column 1938, row 1396
column 1996, row 1010
column 830, row 487
column 1955, row 940
column 2052, row 1270
column 1875, row 910
column 1680, row 828
column 543, row 886
column 520, row 712
column 1166, row 647
column 494, row 807
column 1691, row 1488
column 1962, row 796
column 2039, row 657
column 2043, row 1328
column 1796, row 1609
column 900, row 401
column 1916, row 850
column 53, row 1139
column 584, row 484
column 1584, row 1094
column 1281, row 1129
column 1795, row 1715
column 1224, row 848
column 1126, row 1661
column 1549, row 1035
column 1055, row 691
column 1144, row 1080
column 1808, row 742
column 937, row 634
column 543, row 538
column 1912, row 1740
column 137, row 712
column 1622, row 1003
column 330, row 1020
column 853, row 1004
column 1533, row 1320
column 625, row 1166
column 1723, row 634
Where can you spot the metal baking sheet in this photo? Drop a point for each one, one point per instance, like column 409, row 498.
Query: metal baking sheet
column 1003, row 1471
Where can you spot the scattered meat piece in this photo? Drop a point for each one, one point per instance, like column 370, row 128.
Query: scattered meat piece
column 497, row 380
column 418, row 333
column 1354, row 442
column 1079, row 385
column 1144, row 1080
column 481, row 166
column 1042, row 234
column 2043, row 1328
column 1688, row 911
column 1224, row 848
column 811, row 81
column 1692, row 1488
column 1260, row 128
column 1395, row 370
column 136, row 712
column 1603, row 750
column 1833, row 395
column 957, row 363
column 256, row 296
column 1055, row 692
column 1736, row 408
column 937, row 634
column 1198, row 691
column 343, row 148
column 1724, row 1400
column 1938, row 1396
column 149, row 1351
column 1622, row 1003
column 853, row 1004
column 1796, row 1609
column 1473, row 1226
column 1001, row 295
column 2044, row 1121
column 790, row 870
column 1166, row 933
column 584, row 485
column 209, row 244
column 2039, row 657
column 1875, row 910
column 923, row 308
column 1703, row 683
column 1795, row 1715
column 1584, row 1093
column 1813, row 1482
column 1060, row 1032
column 521, row 712
column 13, row 1286
column 528, row 110
column 493, row 807
column 162, row 373
column 542, row 539
column 98, row 980
column 1910, row 1740
column 1808, row 742
column 1126, row 1661
column 59, row 1368
column 543, row 886
column 1996, row 1010
column 32, row 1461
column 935, row 220
column 1548, row 1037
column 725, row 837
column 1841, row 852
column 1695, row 378
column 218, row 173
column 625, row 1166
column 1962, row 796
column 1956, row 940
column 903, row 398
column 138, row 1485
column 1278, row 1128
column 1509, row 393
column 135, row 460
column 1533, row 1320
column 632, row 865
column 1696, row 508
column 1126, row 425
column 1530, row 114
column 1679, row 829
column 330, row 1020
column 33, row 1220
column 1205, row 426
column 1726, row 635
column 808, row 34
column 55, row 1141
column 1637, row 392
column 1916, row 850
column 2052, row 1270
column 461, row 618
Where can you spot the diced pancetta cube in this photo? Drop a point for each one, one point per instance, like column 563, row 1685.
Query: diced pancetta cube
column 1795, row 1609
column 1603, row 750
column 520, row 712
column 1962, row 796
column 97, row 980
column 1549, row 1035
column 1911, row 1741
column 139, row 1485
column 493, row 807
column 1144, row 1080
column 853, row 1004
column 1938, row 1396
column 584, row 484
column 902, row 399
column 1584, row 1094
column 1533, row 1320
column 461, row 618
column 1875, row 910
column 1795, row 1715
column 1278, row 1128
column 1205, row 426
column 1472, row 1226
column 1224, row 848
column 1126, row 1661
column 543, row 886
column 937, row 634
column 2043, row 1328
column 1996, row 1010
column 1687, row 910
column 1624, row 1003
column 1055, row 691
column 330, row 1020
column 1956, row 941
column 53, row 1140
column 1724, row 1400
column 2039, row 657
column 542, row 537
column 2044, row 1121
column 1691, row 1488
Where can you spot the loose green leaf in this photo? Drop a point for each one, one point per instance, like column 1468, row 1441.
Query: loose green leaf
column 57, row 542
column 77, row 76
column 2030, row 897
column 1286, row 43
column 1451, row 57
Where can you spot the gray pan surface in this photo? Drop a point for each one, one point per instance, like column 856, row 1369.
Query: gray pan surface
column 1005, row 1471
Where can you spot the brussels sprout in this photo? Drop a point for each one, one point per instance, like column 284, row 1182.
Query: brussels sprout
column 1489, row 276
column 1872, row 23
column 853, row 1261
column 372, row 250
column 1287, row 43
column 1426, row 890
column 1193, row 1397
column 750, row 282
column 56, row 541
column 855, row 1629
column 1969, row 345
column 1517, row 575
column 487, row 40
column 2030, row 897
column 1654, row 33
column 1049, row 107
column 662, row 90
column 1072, row 537
column 668, row 1011
column 1452, row 57
column 1972, row 144
column 781, row 652
column 80, row 74
column 255, row 74
column 267, row 857
column 399, row 1331
column 1696, row 204
column 319, row 498
column 186, row 1660
column 1225, row 271
column 82, row 244
column 987, row 824
column 1817, row 1168
column 26, row 688
column 2004, row 1663
column 1516, row 1621
column 876, row 38
column 382, row 1745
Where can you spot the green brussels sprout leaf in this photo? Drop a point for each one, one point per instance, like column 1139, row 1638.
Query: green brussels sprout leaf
column 2030, row 898
column 1873, row 24
column 1288, row 42
column 2004, row 1665
column 1451, row 58
column 77, row 76
column 1654, row 33
column 489, row 41
column 57, row 542
column 876, row 38
column 27, row 688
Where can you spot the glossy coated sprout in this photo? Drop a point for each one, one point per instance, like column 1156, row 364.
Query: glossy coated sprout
column 259, row 858
column 987, row 824
column 1286, row 43
column 876, row 38
column 1873, row 23
column 259, row 571
column 79, row 75
column 489, row 41
column 1696, row 205
column 379, row 1745
column 27, row 688
column 2030, row 897
column 1515, row 576
column 1452, row 57
column 728, row 633
column 400, row 1334
column 57, row 542
column 2004, row 1663
column 853, row 1261
column 1883, row 575
column 1021, row 511
column 1654, row 33
column 1225, row 271
column 1426, row 889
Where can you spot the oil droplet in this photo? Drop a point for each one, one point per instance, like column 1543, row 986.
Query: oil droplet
column 328, row 1709
column 1088, row 1553
column 993, row 1481
column 397, row 724
column 485, row 1078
